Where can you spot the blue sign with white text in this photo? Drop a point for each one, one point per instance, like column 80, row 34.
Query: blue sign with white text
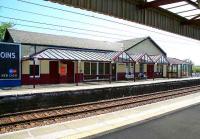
column 9, row 62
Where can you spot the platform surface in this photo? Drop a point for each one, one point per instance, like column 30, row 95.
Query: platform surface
column 82, row 86
column 110, row 122
column 184, row 124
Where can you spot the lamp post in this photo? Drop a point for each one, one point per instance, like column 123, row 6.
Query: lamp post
column 34, row 59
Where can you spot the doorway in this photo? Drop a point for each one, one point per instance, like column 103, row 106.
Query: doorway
column 54, row 74
column 70, row 72
column 150, row 71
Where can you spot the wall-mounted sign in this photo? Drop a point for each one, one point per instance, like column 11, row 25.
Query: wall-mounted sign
column 63, row 70
column 9, row 61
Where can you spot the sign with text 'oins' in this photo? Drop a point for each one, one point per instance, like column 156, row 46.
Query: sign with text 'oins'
column 9, row 61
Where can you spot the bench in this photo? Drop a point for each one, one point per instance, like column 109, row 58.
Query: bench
column 129, row 76
column 142, row 76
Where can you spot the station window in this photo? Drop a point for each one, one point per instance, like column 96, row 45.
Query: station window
column 129, row 68
column 141, row 67
column 107, row 68
column 160, row 68
column 174, row 68
column 101, row 68
column 86, row 68
column 91, row 68
column 37, row 70
column 94, row 68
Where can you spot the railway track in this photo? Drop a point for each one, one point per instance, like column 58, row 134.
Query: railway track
column 28, row 119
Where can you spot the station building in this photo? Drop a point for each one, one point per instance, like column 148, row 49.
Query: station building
column 158, row 65
column 179, row 68
column 52, row 59
column 153, row 60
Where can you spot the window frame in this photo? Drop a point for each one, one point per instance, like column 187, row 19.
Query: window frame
column 89, row 68
column 129, row 68
column 95, row 63
column 142, row 67
column 108, row 68
column 103, row 68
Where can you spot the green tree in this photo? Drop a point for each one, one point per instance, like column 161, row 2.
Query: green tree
column 196, row 69
column 3, row 27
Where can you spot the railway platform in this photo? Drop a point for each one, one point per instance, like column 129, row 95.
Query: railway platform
column 82, row 86
column 94, row 126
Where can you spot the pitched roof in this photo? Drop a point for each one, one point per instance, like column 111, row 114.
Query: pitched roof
column 176, row 61
column 26, row 37
column 128, row 44
column 132, row 42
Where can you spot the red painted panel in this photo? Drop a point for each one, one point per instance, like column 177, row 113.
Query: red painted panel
column 63, row 79
column 54, row 73
column 70, row 72
column 79, row 77
column 44, row 79
column 150, row 71
column 121, row 75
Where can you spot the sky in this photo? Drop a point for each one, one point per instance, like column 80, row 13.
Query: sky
column 69, row 21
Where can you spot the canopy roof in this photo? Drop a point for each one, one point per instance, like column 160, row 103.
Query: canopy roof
column 142, row 58
column 82, row 55
column 175, row 61
column 160, row 59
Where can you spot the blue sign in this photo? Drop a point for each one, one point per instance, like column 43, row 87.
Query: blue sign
column 10, row 66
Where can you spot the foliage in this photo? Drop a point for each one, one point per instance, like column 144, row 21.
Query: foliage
column 3, row 27
column 196, row 69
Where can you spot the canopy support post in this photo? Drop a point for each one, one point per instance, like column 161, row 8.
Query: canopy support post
column 34, row 68
column 177, row 70
column 153, row 72
column 134, row 71
column 77, row 74
column 110, row 74
column 33, row 73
